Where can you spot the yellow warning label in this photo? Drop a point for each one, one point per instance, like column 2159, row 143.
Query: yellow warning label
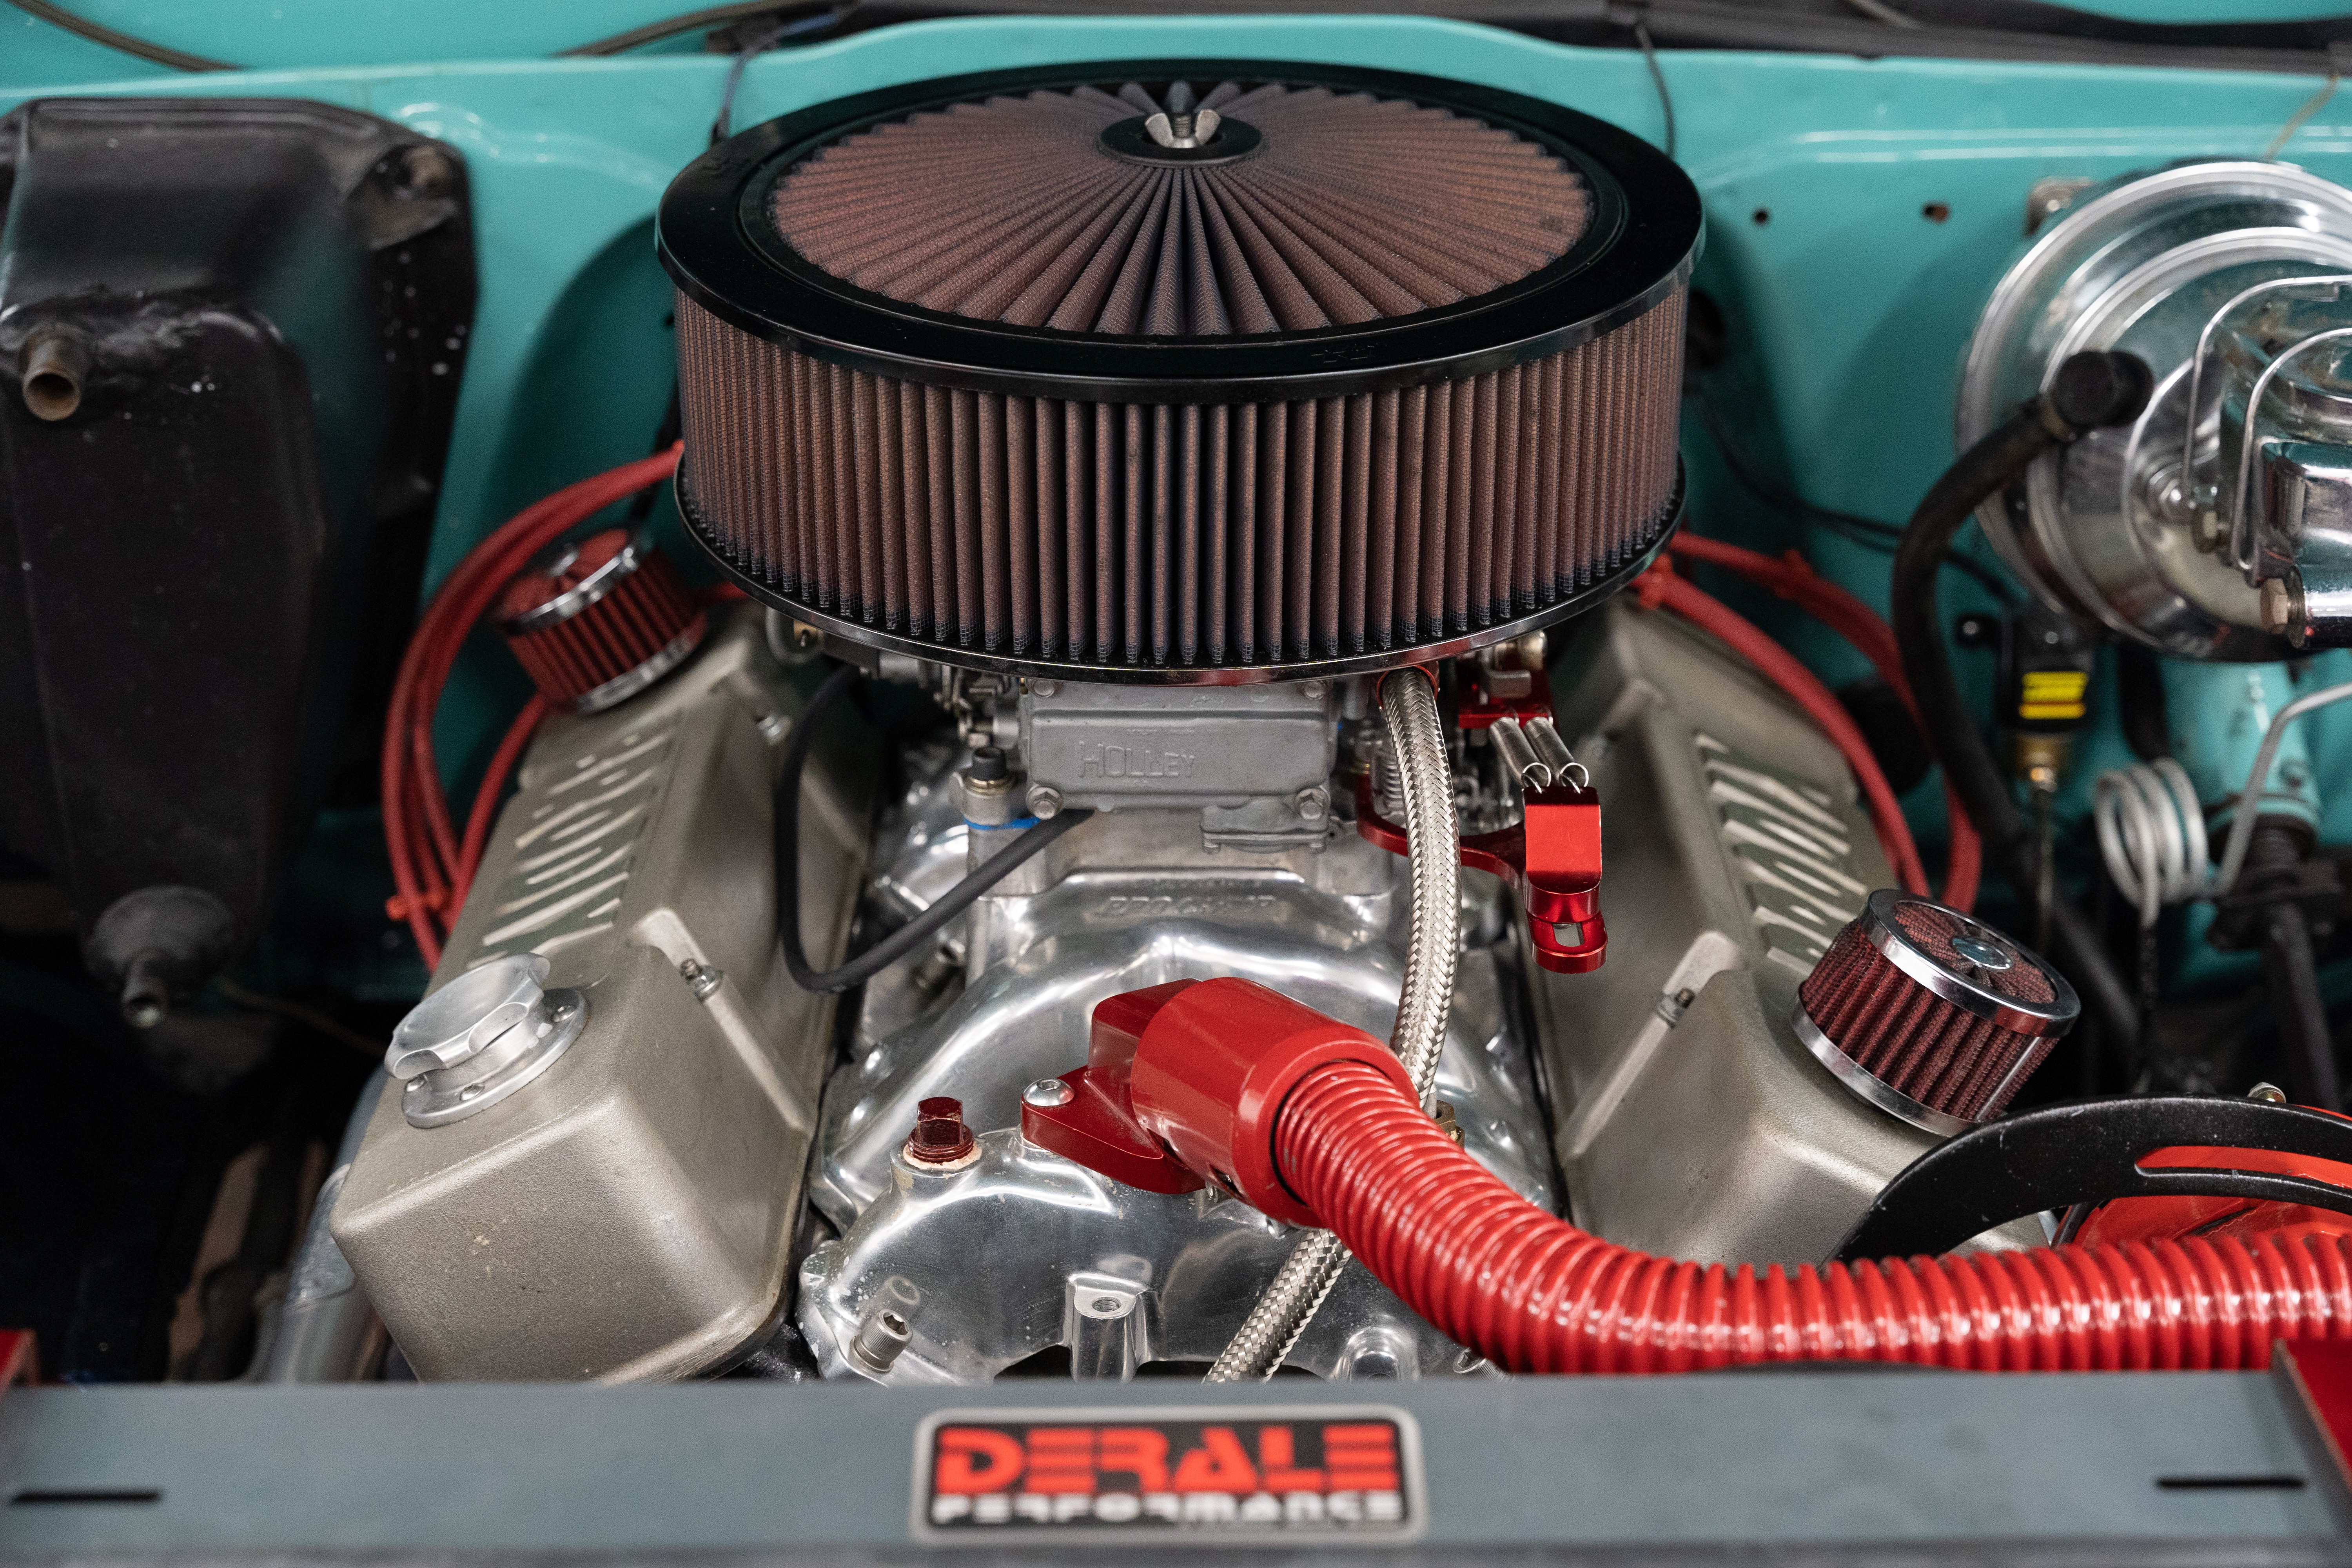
column 2053, row 694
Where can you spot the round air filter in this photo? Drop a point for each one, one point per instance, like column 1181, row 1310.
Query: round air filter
column 595, row 622
column 1930, row 1014
column 1184, row 371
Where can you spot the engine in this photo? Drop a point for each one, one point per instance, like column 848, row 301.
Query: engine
column 1249, row 505
column 1163, row 773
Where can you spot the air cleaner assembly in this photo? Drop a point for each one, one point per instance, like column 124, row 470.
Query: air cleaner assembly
column 1193, row 370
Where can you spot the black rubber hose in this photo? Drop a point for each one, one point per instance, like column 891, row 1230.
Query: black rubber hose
column 2090, row 390
column 907, row 937
column 2291, row 975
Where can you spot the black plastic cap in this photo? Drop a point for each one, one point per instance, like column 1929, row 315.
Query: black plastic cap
column 2092, row 391
column 988, row 765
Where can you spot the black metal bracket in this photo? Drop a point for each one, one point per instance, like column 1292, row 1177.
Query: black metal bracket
column 2089, row 1152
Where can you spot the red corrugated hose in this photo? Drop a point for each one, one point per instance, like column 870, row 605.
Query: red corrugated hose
column 1533, row 1293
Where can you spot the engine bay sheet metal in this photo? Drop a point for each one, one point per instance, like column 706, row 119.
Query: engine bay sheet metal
column 2137, row 1466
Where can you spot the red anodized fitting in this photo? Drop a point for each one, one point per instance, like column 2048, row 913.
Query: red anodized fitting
column 1552, row 856
column 595, row 622
column 940, row 1135
column 1183, row 1082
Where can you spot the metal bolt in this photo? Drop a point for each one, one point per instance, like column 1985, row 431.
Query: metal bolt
column 2282, row 605
column 1312, row 804
column 1045, row 688
column 705, row 982
column 1109, row 1306
column 1046, row 1093
column 880, row 1339
column 1313, row 690
column 428, row 171
column 1447, row 1123
column 1045, row 801
column 2268, row 1093
column 53, row 364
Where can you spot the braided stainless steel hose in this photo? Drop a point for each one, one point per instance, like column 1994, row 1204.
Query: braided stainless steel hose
column 1424, row 776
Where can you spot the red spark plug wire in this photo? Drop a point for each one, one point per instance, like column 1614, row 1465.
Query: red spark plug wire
column 1867, row 631
column 431, row 867
column 1710, row 613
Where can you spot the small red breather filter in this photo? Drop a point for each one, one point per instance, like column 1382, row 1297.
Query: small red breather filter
column 1931, row 1015
column 597, row 622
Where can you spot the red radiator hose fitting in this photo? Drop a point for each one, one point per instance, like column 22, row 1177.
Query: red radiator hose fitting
column 1533, row 1293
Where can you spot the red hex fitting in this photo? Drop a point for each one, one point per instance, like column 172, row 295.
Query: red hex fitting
column 1088, row 1114
column 1552, row 857
column 940, row 1137
column 1213, row 1069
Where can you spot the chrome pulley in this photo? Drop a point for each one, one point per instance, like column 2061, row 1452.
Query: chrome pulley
column 2219, row 525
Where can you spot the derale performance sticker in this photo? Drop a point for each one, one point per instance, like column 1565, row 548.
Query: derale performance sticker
column 1202, row 1475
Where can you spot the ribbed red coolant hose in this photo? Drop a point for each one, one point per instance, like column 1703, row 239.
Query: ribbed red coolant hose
column 1533, row 1293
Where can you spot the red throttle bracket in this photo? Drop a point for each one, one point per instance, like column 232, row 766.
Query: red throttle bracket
column 1552, row 858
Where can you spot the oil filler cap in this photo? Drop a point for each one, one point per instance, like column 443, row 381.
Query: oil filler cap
column 596, row 622
column 480, row 1037
column 1931, row 1015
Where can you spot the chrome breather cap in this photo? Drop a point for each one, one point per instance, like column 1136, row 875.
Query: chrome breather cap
column 1969, row 963
column 1931, row 1015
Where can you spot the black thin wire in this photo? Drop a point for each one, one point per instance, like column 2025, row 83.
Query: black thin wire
column 762, row 45
column 710, row 17
column 1852, row 527
column 1657, row 80
column 907, row 937
column 124, row 43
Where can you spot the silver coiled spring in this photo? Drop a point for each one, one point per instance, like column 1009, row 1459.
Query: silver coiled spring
column 2152, row 835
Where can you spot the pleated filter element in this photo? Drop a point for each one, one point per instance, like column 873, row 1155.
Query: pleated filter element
column 1139, row 381
column 1349, row 208
column 1930, row 1014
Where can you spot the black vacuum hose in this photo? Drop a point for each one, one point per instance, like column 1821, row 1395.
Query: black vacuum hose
column 2090, row 391
column 2291, row 971
column 907, row 937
